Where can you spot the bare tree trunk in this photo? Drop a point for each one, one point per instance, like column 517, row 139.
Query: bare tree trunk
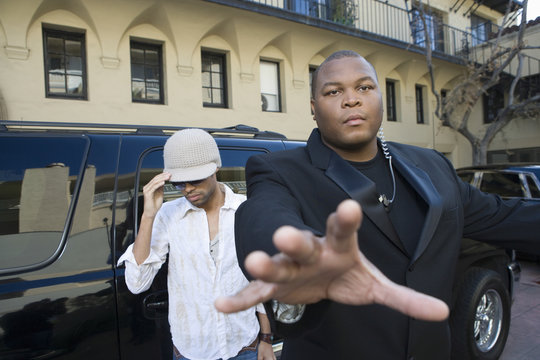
column 480, row 153
column 456, row 109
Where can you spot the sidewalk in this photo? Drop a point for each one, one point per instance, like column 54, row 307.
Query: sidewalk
column 524, row 339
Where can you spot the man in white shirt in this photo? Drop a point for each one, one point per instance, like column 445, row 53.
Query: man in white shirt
column 197, row 231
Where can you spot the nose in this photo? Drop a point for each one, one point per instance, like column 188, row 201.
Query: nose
column 189, row 188
column 351, row 99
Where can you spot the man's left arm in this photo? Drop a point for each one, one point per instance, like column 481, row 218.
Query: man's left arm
column 266, row 352
column 513, row 223
column 505, row 223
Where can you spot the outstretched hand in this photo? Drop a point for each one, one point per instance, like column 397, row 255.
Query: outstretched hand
column 309, row 269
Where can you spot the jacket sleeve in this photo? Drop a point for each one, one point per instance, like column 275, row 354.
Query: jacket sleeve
column 505, row 223
column 271, row 204
column 513, row 223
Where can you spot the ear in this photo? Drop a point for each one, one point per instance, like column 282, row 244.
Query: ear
column 312, row 102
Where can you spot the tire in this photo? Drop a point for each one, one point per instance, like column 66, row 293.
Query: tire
column 480, row 320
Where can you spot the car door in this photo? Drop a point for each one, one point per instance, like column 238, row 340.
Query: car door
column 56, row 277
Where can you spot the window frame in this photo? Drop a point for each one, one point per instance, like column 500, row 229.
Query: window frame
column 311, row 70
column 493, row 102
column 480, row 29
column 66, row 34
column 434, row 21
column 444, row 94
column 278, row 82
column 223, row 78
column 145, row 46
column 419, row 102
column 391, row 104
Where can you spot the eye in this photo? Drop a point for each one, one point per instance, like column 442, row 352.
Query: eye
column 332, row 92
column 364, row 88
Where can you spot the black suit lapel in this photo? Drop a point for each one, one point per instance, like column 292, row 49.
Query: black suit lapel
column 363, row 190
column 421, row 183
column 356, row 185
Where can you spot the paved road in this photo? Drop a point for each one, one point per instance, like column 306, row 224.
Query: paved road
column 524, row 338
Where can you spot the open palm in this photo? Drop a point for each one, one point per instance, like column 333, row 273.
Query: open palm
column 309, row 269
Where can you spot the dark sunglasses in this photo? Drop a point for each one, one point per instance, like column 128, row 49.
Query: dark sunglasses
column 181, row 185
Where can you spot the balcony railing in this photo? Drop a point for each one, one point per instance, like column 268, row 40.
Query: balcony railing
column 385, row 20
column 371, row 16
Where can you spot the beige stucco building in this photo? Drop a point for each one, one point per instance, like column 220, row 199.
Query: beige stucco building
column 222, row 63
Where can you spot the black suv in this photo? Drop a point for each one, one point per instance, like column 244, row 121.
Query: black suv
column 70, row 204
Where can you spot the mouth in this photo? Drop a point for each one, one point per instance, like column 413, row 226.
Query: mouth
column 193, row 197
column 354, row 119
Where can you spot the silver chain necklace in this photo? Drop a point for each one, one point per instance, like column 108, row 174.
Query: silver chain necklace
column 382, row 197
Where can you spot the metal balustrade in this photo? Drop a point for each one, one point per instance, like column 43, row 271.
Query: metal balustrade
column 389, row 21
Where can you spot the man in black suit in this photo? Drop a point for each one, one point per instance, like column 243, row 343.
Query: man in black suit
column 414, row 212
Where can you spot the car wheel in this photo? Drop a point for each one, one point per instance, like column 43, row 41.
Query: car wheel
column 480, row 319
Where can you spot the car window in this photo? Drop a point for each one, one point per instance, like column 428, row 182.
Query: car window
column 466, row 176
column 232, row 172
column 37, row 180
column 535, row 192
column 503, row 184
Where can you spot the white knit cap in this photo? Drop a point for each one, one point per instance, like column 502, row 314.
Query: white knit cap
column 191, row 154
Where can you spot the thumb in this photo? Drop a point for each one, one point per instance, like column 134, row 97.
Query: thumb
column 415, row 304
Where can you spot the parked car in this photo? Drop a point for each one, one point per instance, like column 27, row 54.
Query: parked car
column 70, row 204
column 511, row 180
column 506, row 180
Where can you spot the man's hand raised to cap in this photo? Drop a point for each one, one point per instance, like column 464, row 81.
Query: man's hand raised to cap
column 310, row 269
column 153, row 194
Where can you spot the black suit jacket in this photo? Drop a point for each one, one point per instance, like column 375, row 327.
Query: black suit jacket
column 301, row 187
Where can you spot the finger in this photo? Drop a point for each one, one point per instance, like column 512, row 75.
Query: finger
column 254, row 293
column 301, row 246
column 342, row 226
column 160, row 178
column 164, row 176
column 414, row 304
column 153, row 186
column 276, row 269
column 156, row 184
column 403, row 299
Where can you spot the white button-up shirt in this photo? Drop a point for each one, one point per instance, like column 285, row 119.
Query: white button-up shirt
column 194, row 280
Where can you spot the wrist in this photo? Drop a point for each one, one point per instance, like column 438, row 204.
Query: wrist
column 148, row 216
column 266, row 337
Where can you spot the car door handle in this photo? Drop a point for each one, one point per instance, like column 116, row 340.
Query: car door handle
column 157, row 305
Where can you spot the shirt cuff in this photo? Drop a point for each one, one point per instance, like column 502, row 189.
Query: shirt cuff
column 260, row 309
column 129, row 257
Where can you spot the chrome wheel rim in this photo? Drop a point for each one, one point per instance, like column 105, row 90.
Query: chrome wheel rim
column 488, row 320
